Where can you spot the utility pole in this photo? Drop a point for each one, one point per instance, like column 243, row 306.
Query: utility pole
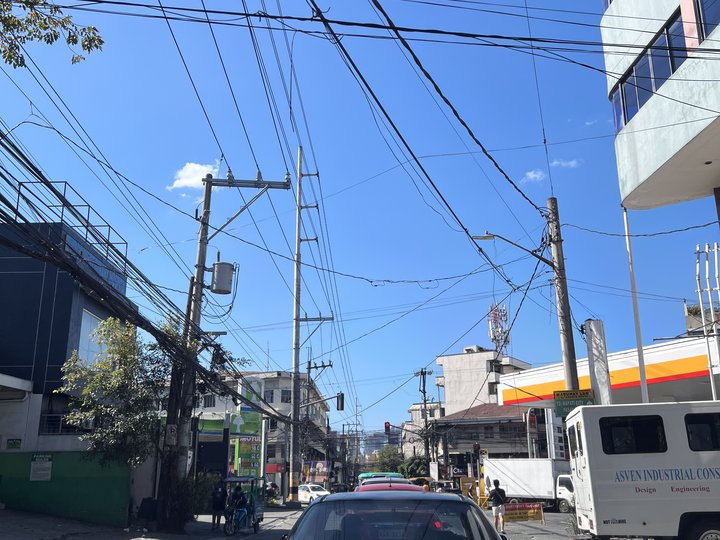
column 567, row 341
column 426, row 433
column 182, row 385
column 295, row 465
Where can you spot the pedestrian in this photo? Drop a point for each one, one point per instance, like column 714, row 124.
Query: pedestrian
column 218, row 503
column 496, row 498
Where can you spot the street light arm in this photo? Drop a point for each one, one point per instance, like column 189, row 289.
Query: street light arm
column 492, row 236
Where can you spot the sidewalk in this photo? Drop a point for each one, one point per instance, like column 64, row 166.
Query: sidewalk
column 19, row 525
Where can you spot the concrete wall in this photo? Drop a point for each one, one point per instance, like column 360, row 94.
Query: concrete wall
column 466, row 380
column 78, row 488
column 680, row 117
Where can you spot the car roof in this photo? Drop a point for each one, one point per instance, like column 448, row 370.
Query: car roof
column 386, row 486
column 385, row 479
column 394, row 494
column 313, row 485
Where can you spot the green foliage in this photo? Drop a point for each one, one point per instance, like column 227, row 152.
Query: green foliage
column 200, row 493
column 117, row 394
column 389, row 460
column 415, row 466
column 34, row 20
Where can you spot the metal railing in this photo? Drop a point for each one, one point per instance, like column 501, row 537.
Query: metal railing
column 56, row 424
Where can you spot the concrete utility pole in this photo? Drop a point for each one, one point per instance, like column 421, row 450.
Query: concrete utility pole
column 426, row 435
column 295, row 465
column 182, row 385
column 567, row 341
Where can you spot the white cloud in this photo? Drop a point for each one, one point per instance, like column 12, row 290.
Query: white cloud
column 533, row 177
column 191, row 175
column 565, row 163
column 590, row 122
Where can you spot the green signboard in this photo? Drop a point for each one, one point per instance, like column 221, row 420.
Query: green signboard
column 567, row 400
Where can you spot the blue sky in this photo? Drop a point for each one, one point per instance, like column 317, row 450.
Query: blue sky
column 377, row 220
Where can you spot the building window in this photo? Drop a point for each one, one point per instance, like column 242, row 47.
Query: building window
column 271, row 451
column 268, row 396
column 285, row 396
column 208, row 400
column 88, row 348
column 643, row 79
column 660, row 58
column 489, row 432
column 633, row 435
column 616, row 98
column 664, row 56
column 273, row 423
column 709, row 16
column 676, row 39
column 492, row 388
column 703, row 431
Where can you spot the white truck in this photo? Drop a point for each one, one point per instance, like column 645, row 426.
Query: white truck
column 533, row 480
column 649, row 470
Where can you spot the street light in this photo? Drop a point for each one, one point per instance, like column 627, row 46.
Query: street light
column 567, row 342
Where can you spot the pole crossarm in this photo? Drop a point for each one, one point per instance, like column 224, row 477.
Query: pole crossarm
column 317, row 401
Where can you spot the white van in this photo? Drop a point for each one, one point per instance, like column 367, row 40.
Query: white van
column 647, row 470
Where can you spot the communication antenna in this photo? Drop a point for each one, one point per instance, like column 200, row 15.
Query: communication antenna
column 497, row 321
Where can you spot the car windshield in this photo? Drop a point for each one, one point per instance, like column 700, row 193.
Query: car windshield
column 399, row 520
column 316, row 488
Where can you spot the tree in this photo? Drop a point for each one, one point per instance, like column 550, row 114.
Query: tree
column 389, row 460
column 415, row 466
column 34, row 20
column 117, row 394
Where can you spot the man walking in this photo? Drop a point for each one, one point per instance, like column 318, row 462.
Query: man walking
column 496, row 498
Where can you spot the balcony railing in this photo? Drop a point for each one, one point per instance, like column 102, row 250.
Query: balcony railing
column 56, row 424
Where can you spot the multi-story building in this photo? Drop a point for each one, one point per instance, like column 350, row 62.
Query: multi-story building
column 664, row 85
column 471, row 377
column 275, row 387
column 412, row 430
column 48, row 313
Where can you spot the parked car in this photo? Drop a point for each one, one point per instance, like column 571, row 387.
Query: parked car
column 307, row 493
column 339, row 488
column 393, row 515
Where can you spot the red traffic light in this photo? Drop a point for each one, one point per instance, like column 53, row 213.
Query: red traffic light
column 387, row 428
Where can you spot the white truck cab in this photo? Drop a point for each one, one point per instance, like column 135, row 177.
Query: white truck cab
column 648, row 470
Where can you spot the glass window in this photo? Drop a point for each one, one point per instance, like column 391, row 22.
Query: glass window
column 710, row 15
column 285, row 396
column 88, row 349
column 643, row 79
column 572, row 439
column 565, row 482
column 489, row 432
column 630, row 98
column 660, row 57
column 492, row 388
column 209, row 400
column 579, row 438
column 676, row 38
column 633, row 435
column 703, row 431
column 268, row 396
column 273, row 423
column 616, row 99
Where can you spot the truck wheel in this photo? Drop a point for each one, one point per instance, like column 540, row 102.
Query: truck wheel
column 705, row 530
column 564, row 506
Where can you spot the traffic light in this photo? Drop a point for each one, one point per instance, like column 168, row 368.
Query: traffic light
column 387, row 428
column 341, row 402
